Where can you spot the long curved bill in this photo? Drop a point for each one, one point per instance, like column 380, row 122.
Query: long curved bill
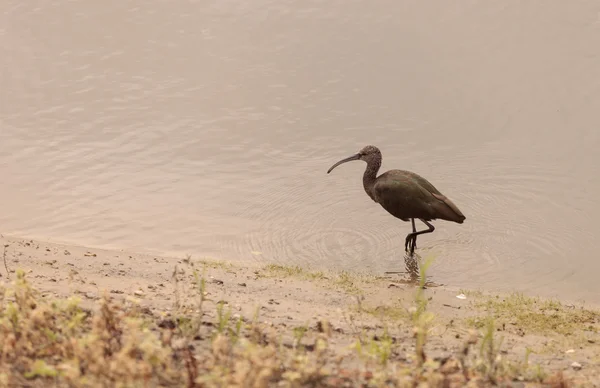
column 348, row 159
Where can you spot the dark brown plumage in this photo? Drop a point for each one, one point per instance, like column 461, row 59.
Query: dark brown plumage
column 404, row 194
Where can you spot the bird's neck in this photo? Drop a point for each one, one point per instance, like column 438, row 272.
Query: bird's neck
column 370, row 176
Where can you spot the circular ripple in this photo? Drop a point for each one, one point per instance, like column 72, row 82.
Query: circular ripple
column 312, row 227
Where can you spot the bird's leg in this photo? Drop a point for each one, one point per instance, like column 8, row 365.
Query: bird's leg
column 414, row 242
column 409, row 238
column 412, row 237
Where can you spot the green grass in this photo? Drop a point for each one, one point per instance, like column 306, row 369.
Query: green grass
column 283, row 271
column 216, row 264
column 387, row 313
column 350, row 283
column 535, row 315
column 471, row 293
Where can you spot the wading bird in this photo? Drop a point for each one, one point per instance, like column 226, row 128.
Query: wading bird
column 404, row 194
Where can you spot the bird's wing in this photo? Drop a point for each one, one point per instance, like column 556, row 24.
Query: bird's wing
column 401, row 197
column 407, row 195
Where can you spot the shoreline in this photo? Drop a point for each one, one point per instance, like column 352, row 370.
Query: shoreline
column 552, row 336
column 254, row 264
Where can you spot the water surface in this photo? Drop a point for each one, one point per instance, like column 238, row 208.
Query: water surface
column 207, row 128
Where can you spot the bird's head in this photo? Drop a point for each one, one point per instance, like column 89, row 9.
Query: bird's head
column 368, row 153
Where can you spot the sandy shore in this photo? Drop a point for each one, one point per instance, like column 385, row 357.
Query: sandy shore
column 540, row 340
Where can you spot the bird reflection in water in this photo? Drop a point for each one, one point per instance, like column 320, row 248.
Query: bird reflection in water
column 412, row 273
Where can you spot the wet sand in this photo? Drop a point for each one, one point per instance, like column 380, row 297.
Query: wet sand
column 289, row 297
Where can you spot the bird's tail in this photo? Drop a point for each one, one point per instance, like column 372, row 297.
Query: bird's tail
column 448, row 209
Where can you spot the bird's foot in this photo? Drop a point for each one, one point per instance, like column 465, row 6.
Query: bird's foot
column 410, row 243
column 407, row 242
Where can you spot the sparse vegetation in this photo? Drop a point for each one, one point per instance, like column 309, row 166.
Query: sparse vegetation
column 214, row 264
column 57, row 342
column 386, row 313
column 283, row 271
column 471, row 293
column 534, row 315
column 342, row 280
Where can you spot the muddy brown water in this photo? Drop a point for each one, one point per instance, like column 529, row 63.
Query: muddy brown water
column 207, row 128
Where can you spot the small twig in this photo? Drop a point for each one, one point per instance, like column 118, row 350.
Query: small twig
column 177, row 302
column 4, row 258
column 191, row 366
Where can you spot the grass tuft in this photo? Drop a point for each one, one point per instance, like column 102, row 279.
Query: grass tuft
column 535, row 315
column 283, row 271
column 345, row 281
